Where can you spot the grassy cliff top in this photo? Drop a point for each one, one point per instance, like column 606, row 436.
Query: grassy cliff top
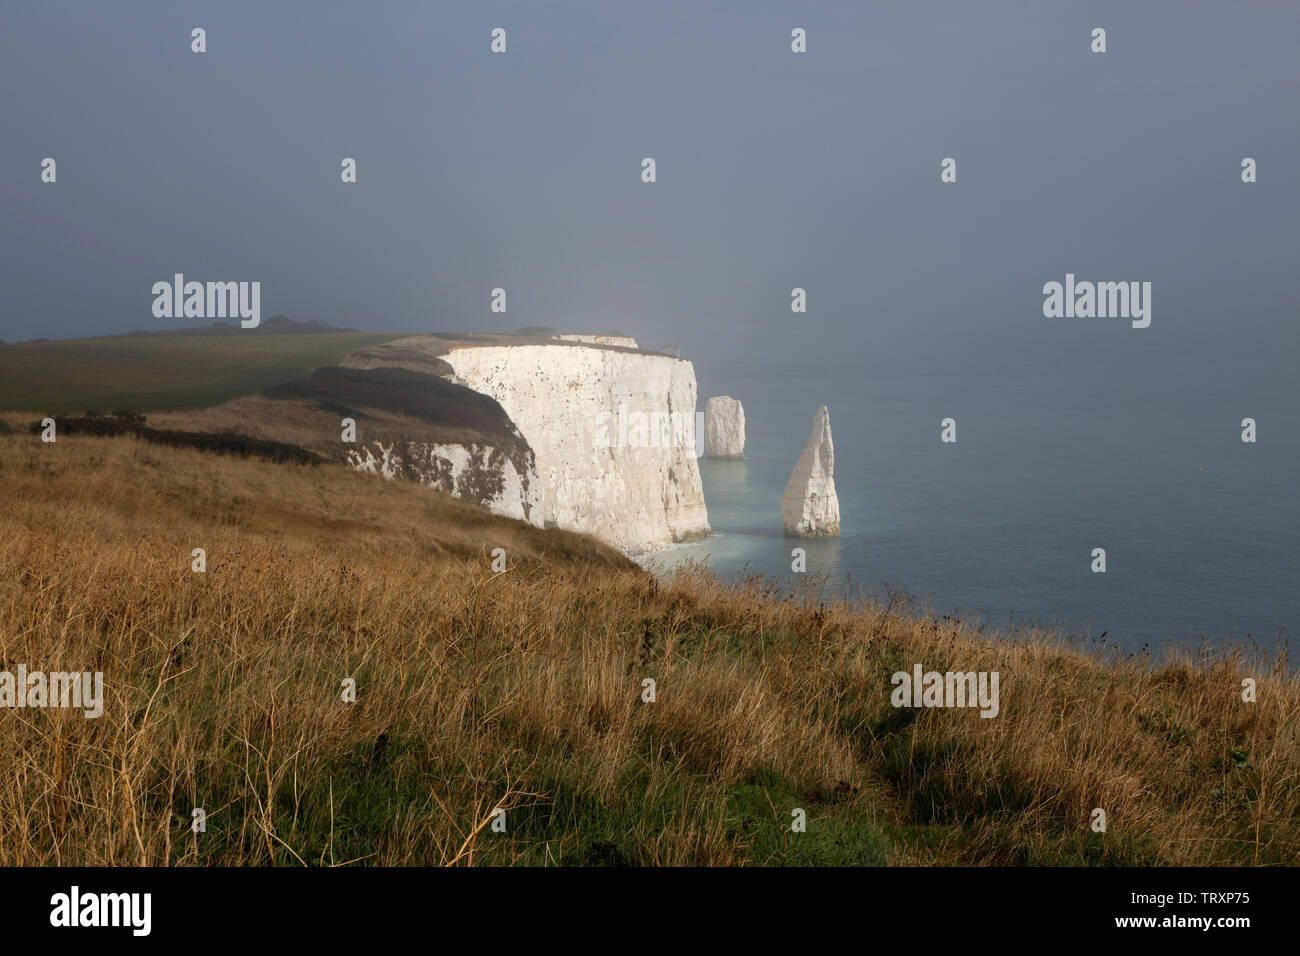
column 151, row 372
column 524, row 690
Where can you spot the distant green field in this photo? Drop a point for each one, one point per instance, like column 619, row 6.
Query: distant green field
column 149, row 373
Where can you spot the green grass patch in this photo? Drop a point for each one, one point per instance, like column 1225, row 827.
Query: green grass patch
column 761, row 813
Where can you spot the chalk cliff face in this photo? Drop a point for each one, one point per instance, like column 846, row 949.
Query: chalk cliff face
column 810, row 508
column 481, row 473
column 637, row 488
column 724, row 428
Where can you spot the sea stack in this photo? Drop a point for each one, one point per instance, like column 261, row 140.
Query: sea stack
column 810, row 508
column 724, row 428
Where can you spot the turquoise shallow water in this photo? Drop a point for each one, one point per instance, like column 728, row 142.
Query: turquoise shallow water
column 1199, row 528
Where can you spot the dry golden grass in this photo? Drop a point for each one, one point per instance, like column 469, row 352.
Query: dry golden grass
column 523, row 690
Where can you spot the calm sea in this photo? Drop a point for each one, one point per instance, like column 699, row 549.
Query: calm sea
column 1199, row 529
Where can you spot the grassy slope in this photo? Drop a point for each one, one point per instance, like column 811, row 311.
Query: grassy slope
column 145, row 373
column 523, row 689
column 388, row 405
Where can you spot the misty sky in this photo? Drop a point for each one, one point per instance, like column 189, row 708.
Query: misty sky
column 775, row 170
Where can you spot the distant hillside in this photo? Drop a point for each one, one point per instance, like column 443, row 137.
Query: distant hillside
column 275, row 325
column 388, row 405
column 185, row 368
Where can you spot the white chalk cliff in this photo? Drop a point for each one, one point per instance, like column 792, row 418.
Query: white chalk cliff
column 608, row 435
column 724, row 428
column 591, row 476
column 479, row 472
column 810, row 508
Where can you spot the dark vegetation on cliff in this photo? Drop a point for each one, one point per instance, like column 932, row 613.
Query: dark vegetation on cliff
column 133, row 423
column 450, row 408
column 523, row 690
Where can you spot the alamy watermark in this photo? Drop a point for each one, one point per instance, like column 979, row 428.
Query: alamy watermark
column 213, row 300
column 1101, row 300
column 639, row 429
column 53, row 689
column 923, row 688
column 75, row 908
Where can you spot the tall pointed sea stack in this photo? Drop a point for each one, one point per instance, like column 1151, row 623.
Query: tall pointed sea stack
column 810, row 507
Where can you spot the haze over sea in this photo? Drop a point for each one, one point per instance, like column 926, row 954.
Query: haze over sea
column 1060, row 449
column 776, row 170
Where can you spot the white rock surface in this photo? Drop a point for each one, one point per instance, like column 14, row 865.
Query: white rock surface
column 724, row 428
column 810, row 507
column 479, row 473
column 570, row 403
